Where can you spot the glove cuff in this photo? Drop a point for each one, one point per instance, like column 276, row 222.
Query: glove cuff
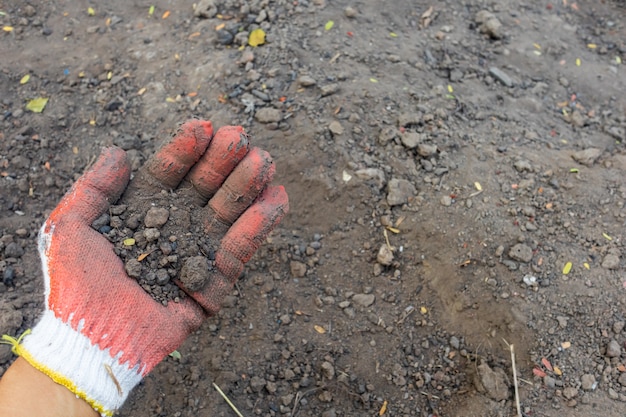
column 70, row 359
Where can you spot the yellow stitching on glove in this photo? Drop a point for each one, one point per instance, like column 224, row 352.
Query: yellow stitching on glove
column 56, row 377
column 15, row 343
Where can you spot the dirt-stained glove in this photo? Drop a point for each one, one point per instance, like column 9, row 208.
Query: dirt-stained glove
column 101, row 332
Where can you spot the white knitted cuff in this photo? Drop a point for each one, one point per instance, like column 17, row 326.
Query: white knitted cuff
column 70, row 359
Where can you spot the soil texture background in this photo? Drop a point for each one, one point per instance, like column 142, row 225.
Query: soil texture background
column 457, row 181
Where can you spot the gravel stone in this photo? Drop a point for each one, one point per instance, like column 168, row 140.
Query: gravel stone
column 454, row 342
column 257, row 383
column 194, row 273
column 367, row 174
column 29, row 10
column 409, row 119
column 588, row 156
column 162, row 278
column 489, row 24
column 350, row 12
column 329, row 89
column 5, row 353
column 13, row 250
column 127, row 142
column 493, row 382
column 328, row 370
column 521, row 253
column 588, row 382
column 549, row 382
column 410, row 140
column 10, row 320
column 101, row 221
column 156, row 217
column 133, row 268
column 298, row 269
column 523, row 166
column 306, row 81
column 576, row 119
column 364, row 300
column 610, row 261
column 268, row 115
column 501, row 76
column 570, row 392
column 385, row 255
column 387, row 134
column 8, row 276
column 613, row 349
column 151, row 234
column 206, row 9
column 287, row 399
column 446, row 201
column 335, row 128
column 399, row 191
column 425, row 150
column 271, row 387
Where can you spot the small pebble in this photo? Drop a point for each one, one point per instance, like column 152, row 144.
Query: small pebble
column 268, row 115
column 306, row 81
column 156, row 217
column 588, row 382
column 364, row 300
column 335, row 128
column 350, row 12
column 613, row 349
column 329, row 89
column 501, row 76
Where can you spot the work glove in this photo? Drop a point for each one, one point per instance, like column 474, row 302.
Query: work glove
column 101, row 333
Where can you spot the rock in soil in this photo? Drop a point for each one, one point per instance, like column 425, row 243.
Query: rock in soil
column 399, row 191
column 521, row 253
column 493, row 382
column 10, row 320
column 268, row 115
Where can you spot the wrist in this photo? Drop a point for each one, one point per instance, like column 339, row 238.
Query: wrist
column 70, row 359
column 26, row 392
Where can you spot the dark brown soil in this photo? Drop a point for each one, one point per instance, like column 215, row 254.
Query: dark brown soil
column 480, row 144
column 157, row 238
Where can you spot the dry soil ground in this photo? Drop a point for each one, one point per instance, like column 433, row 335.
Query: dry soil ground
column 456, row 172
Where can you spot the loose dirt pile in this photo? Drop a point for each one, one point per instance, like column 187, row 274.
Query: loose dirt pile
column 160, row 242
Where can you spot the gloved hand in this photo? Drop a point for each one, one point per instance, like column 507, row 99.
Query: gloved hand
column 100, row 332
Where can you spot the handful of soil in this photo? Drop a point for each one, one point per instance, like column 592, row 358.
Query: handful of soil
column 161, row 242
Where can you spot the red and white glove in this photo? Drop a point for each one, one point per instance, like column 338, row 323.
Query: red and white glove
column 101, row 333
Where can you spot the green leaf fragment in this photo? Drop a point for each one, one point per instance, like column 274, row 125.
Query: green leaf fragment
column 176, row 355
column 151, row 10
column 256, row 37
column 37, row 105
column 329, row 25
column 129, row 241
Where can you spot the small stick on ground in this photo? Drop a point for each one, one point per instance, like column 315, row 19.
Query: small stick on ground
column 227, row 400
column 515, row 384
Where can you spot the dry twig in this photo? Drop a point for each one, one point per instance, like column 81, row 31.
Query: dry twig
column 227, row 400
column 515, row 384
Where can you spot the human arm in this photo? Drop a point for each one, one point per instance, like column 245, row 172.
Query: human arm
column 101, row 333
column 27, row 392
